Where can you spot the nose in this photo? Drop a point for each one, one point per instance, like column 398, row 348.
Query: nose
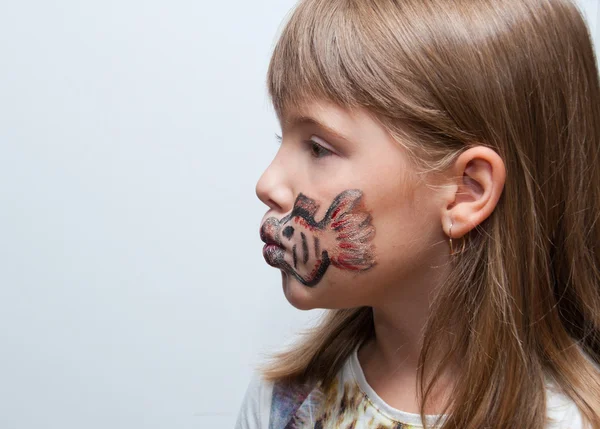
column 274, row 187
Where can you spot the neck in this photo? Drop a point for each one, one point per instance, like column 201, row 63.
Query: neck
column 390, row 359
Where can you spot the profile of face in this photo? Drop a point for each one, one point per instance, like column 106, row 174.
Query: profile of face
column 348, row 222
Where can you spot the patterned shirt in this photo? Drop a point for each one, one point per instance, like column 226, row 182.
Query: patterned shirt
column 350, row 403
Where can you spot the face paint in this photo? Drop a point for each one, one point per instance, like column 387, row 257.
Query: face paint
column 342, row 238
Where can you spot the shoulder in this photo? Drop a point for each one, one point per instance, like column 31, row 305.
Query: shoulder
column 256, row 403
column 562, row 412
column 268, row 404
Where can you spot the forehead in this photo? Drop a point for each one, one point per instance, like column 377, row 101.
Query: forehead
column 336, row 120
column 317, row 109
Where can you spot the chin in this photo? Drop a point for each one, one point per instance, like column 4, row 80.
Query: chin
column 298, row 295
column 305, row 297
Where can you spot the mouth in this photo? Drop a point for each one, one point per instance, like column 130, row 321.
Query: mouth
column 270, row 241
column 268, row 231
column 273, row 251
column 273, row 254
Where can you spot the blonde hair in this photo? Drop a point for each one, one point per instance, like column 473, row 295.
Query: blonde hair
column 520, row 77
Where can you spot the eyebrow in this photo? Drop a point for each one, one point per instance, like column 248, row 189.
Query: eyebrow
column 298, row 120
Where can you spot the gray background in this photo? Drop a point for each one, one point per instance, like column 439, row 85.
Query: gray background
column 133, row 292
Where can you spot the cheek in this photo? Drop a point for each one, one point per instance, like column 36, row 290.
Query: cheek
column 406, row 244
column 372, row 243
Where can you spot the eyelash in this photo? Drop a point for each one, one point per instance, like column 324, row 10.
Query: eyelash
column 322, row 151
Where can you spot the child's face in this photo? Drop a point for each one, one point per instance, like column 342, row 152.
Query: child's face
column 348, row 224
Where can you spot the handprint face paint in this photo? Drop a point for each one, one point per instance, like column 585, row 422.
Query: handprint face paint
column 342, row 238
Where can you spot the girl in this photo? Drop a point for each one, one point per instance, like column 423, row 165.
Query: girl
column 437, row 188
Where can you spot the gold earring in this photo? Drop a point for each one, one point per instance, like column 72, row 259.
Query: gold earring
column 451, row 248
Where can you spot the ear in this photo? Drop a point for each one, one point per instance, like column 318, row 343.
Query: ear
column 478, row 181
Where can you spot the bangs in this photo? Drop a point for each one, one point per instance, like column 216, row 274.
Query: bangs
column 390, row 58
column 318, row 57
column 353, row 53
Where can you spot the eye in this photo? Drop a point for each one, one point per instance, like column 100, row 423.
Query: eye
column 318, row 151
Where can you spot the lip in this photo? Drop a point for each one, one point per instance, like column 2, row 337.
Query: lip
column 266, row 237
column 273, row 254
column 270, row 247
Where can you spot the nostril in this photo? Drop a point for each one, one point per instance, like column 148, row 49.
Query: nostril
column 273, row 205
